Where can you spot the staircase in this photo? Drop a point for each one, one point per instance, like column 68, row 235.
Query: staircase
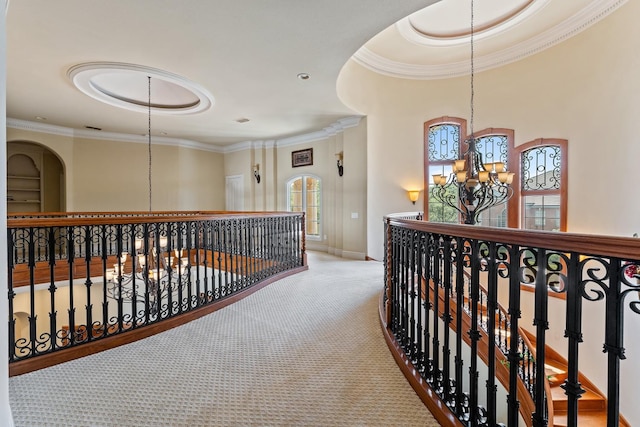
column 592, row 405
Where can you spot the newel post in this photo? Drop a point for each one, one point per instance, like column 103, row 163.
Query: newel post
column 304, row 239
column 388, row 255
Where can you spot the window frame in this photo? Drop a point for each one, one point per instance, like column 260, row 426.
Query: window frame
column 562, row 191
column 444, row 120
column 304, row 203
column 512, row 166
column 512, row 161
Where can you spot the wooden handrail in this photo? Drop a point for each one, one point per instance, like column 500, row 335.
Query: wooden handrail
column 78, row 219
column 587, row 244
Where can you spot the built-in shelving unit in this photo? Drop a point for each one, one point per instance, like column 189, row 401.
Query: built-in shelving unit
column 24, row 184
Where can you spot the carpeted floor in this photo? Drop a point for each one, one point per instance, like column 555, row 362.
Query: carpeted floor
column 304, row 351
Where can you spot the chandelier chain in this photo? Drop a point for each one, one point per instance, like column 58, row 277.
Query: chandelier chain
column 472, row 77
column 149, row 135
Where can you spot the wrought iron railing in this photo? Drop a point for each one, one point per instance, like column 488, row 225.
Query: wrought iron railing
column 76, row 279
column 457, row 263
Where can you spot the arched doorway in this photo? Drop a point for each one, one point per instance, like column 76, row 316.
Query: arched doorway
column 35, row 178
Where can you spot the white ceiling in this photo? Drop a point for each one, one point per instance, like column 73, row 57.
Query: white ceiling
column 247, row 55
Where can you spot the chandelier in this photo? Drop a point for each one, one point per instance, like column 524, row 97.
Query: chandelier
column 152, row 272
column 473, row 186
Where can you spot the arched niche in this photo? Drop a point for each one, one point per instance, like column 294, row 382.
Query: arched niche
column 35, row 178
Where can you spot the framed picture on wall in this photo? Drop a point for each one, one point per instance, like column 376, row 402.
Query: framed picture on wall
column 302, row 158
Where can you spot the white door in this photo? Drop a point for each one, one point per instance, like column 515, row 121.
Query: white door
column 234, row 200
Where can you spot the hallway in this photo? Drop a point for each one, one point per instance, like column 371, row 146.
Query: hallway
column 306, row 350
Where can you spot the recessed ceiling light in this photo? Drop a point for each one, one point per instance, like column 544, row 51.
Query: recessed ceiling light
column 304, row 76
column 242, row 120
column 40, row 118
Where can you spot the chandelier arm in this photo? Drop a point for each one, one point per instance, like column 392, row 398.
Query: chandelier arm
column 504, row 193
column 441, row 194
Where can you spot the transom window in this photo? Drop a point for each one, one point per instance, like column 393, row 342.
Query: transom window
column 304, row 194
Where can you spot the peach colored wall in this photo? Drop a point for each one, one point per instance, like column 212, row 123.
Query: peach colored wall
column 584, row 90
column 104, row 175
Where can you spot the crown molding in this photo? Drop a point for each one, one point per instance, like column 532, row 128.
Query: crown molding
column 108, row 136
column 39, row 127
column 339, row 126
column 333, row 129
column 582, row 20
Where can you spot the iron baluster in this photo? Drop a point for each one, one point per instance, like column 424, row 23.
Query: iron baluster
column 191, row 230
column 411, row 294
column 221, row 258
column 53, row 328
column 541, row 321
column 104, row 256
column 11, row 253
column 474, row 333
column 437, row 284
column 514, row 355
column 492, row 309
column 134, row 288
column 120, row 270
column 88, row 232
column 198, row 249
column 422, row 289
column 71, row 260
column 613, row 343
column 573, row 333
column 459, row 360
column 447, row 319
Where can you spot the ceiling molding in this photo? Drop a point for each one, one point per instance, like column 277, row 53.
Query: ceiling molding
column 493, row 28
column 123, row 82
column 238, row 146
column 325, row 133
column 39, row 127
column 108, row 136
column 582, row 20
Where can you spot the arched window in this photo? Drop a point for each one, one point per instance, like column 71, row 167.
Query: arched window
column 443, row 138
column 445, row 142
column 304, row 194
column 543, row 185
column 495, row 145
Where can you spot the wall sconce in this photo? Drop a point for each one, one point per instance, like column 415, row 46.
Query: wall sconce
column 256, row 172
column 339, row 163
column 413, row 196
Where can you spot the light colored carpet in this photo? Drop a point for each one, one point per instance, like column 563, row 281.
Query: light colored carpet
column 304, row 351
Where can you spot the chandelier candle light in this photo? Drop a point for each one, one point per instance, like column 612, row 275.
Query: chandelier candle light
column 473, row 186
column 149, row 272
